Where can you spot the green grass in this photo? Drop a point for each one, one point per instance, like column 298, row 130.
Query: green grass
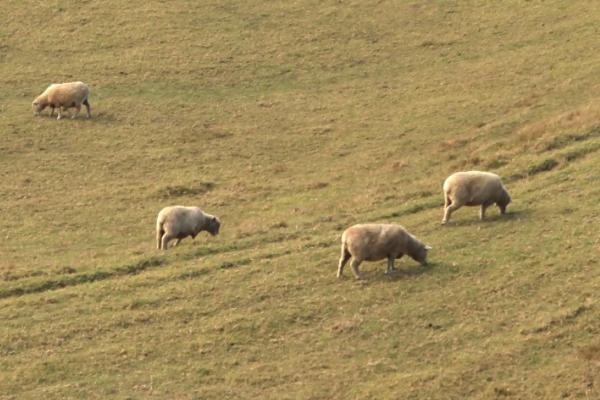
column 291, row 121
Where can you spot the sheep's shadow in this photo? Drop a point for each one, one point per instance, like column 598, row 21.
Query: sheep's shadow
column 401, row 272
column 103, row 116
column 96, row 117
column 407, row 271
column 494, row 218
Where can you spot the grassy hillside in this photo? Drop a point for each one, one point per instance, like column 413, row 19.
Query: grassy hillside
column 291, row 121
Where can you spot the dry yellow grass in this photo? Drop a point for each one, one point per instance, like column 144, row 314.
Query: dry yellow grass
column 291, row 121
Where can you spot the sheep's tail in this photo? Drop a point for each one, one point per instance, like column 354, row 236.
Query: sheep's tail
column 159, row 233
column 344, row 244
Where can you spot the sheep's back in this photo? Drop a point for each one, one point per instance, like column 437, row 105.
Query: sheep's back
column 373, row 241
column 177, row 219
column 66, row 93
column 473, row 187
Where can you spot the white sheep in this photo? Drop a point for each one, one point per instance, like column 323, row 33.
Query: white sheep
column 373, row 242
column 474, row 188
column 63, row 96
column 179, row 222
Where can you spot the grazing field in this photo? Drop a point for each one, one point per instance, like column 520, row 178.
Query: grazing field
column 292, row 120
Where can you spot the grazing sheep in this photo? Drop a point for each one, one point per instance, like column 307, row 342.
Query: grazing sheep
column 474, row 188
column 373, row 242
column 179, row 222
column 63, row 96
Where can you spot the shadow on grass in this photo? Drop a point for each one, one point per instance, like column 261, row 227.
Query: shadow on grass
column 193, row 274
column 98, row 117
column 72, row 280
column 407, row 271
column 151, row 262
column 68, row 116
column 402, row 272
column 489, row 219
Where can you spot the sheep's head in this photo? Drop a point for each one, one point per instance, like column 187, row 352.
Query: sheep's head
column 422, row 256
column 37, row 106
column 213, row 226
column 504, row 201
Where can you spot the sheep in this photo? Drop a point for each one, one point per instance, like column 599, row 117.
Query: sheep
column 473, row 188
column 374, row 242
column 179, row 222
column 63, row 96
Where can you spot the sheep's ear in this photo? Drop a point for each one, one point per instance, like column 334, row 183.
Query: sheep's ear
column 214, row 219
column 427, row 247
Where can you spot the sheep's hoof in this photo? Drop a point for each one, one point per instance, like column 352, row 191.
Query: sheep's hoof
column 444, row 222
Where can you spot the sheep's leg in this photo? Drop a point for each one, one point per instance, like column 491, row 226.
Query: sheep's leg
column 449, row 210
column 165, row 240
column 76, row 113
column 447, row 201
column 390, row 265
column 59, row 112
column 355, row 263
column 86, row 103
column 343, row 260
column 482, row 211
column 159, row 234
column 176, row 242
column 52, row 111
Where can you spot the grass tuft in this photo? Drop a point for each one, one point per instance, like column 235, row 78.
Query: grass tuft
column 546, row 165
column 170, row 192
